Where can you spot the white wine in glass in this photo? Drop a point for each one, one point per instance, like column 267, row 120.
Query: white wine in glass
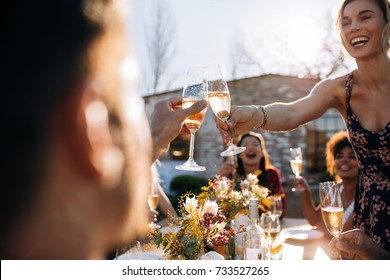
column 331, row 207
column 219, row 100
column 153, row 201
column 296, row 162
column 195, row 89
column 153, row 198
column 270, row 224
column 277, row 205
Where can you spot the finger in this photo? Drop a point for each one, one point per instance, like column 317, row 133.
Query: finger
column 231, row 123
column 347, row 250
column 195, row 108
column 176, row 101
column 220, row 124
column 334, row 250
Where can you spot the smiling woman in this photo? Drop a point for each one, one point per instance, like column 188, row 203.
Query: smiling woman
column 362, row 99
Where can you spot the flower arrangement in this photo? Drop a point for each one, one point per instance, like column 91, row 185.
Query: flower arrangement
column 205, row 220
column 196, row 231
column 233, row 201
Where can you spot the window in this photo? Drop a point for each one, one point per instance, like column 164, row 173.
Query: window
column 318, row 133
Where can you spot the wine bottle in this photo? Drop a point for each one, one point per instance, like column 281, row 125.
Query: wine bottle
column 253, row 239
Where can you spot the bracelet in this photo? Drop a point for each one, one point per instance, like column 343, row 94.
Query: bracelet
column 265, row 118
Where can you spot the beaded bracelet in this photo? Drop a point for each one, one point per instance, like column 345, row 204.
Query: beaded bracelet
column 265, row 118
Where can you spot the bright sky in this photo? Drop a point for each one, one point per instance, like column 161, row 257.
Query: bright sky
column 270, row 30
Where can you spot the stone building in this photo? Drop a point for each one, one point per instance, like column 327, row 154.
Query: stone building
column 264, row 89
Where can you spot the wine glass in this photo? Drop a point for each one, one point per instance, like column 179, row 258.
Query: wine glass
column 270, row 224
column 219, row 100
column 296, row 162
column 277, row 205
column 195, row 89
column 331, row 207
column 153, row 198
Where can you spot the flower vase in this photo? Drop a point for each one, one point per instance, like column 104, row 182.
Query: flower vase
column 219, row 247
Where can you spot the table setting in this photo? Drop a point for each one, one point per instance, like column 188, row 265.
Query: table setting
column 212, row 224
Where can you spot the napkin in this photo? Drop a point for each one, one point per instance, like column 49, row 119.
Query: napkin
column 212, row 255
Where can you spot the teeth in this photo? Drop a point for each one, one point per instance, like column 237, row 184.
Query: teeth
column 344, row 167
column 359, row 40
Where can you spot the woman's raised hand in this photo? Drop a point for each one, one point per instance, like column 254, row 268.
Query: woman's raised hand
column 242, row 119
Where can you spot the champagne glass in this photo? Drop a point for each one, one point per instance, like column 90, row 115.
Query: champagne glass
column 219, row 100
column 195, row 89
column 277, row 205
column 331, row 207
column 270, row 224
column 153, row 198
column 296, row 162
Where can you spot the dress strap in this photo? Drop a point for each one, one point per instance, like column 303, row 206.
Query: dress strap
column 348, row 87
column 348, row 211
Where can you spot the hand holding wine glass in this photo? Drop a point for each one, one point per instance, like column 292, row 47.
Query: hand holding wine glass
column 331, row 207
column 195, row 89
column 219, row 99
column 296, row 162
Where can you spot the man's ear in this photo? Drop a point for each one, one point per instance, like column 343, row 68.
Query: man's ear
column 85, row 131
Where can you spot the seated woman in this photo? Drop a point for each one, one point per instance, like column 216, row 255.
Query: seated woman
column 342, row 165
column 255, row 160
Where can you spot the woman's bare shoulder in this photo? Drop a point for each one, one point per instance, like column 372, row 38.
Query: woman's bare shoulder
column 331, row 85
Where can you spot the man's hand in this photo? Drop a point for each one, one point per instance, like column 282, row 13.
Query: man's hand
column 167, row 122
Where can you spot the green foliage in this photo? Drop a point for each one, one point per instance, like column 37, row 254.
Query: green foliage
column 185, row 183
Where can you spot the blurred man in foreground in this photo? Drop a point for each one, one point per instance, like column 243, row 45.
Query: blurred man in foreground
column 74, row 168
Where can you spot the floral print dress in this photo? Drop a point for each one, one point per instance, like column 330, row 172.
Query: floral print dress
column 372, row 149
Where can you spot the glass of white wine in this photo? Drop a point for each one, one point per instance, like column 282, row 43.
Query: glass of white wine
column 277, row 205
column 153, row 199
column 296, row 162
column 219, row 100
column 270, row 224
column 331, row 207
column 195, row 89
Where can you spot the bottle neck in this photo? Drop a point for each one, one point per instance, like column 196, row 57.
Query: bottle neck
column 253, row 213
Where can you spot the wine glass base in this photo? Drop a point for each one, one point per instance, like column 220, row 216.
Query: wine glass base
column 232, row 150
column 190, row 165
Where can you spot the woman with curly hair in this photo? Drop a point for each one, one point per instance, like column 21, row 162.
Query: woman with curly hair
column 342, row 165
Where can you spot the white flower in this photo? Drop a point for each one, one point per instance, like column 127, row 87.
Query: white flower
column 219, row 226
column 190, row 204
column 236, row 195
column 245, row 184
column 222, row 189
column 210, row 207
column 260, row 191
column 252, row 178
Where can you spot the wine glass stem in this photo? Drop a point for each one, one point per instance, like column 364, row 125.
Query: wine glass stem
column 192, row 142
column 229, row 138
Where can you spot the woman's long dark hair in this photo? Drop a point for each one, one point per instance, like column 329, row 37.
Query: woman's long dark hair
column 263, row 164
